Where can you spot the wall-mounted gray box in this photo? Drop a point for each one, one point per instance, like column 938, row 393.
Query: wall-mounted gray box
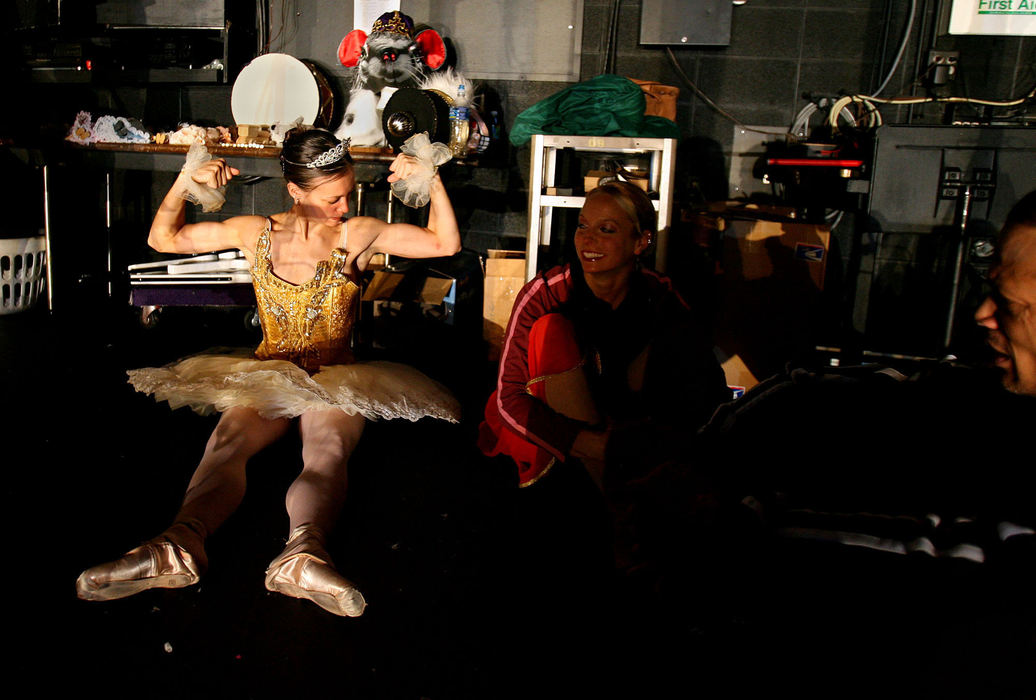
column 685, row 22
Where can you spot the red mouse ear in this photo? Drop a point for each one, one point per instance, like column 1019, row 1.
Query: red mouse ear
column 432, row 47
column 350, row 48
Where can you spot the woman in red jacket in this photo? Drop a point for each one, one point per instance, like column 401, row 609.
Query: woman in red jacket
column 602, row 360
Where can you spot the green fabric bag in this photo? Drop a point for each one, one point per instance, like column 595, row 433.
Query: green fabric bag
column 608, row 105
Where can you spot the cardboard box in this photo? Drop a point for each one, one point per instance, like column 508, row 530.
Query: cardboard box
column 771, row 277
column 388, row 285
column 738, row 377
column 659, row 99
column 253, row 133
column 505, row 276
column 758, row 248
column 429, row 288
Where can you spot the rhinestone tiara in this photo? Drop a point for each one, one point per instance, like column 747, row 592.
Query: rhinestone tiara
column 330, row 156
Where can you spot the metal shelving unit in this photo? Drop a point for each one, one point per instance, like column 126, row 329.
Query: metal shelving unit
column 545, row 149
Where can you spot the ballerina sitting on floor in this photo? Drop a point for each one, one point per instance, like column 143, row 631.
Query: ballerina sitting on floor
column 306, row 264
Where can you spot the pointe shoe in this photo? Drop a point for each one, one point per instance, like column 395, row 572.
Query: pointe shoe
column 158, row 563
column 304, row 570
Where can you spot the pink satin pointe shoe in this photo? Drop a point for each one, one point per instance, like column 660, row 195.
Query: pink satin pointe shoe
column 304, row 570
column 158, row 563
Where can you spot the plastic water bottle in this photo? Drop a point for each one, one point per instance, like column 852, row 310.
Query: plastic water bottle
column 459, row 127
column 494, row 124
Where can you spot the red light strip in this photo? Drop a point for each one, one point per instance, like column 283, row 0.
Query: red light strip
column 810, row 162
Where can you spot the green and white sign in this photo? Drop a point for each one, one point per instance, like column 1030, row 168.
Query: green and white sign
column 1007, row 17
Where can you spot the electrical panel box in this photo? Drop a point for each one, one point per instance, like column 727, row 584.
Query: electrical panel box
column 685, row 23
column 920, row 172
column 938, row 196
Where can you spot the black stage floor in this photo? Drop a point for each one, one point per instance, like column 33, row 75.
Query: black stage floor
column 475, row 589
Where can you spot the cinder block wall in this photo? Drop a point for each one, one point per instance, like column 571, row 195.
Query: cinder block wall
column 779, row 50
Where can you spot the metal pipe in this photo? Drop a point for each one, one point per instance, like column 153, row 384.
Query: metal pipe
column 108, row 225
column 47, row 236
column 390, row 215
column 361, row 197
column 965, row 214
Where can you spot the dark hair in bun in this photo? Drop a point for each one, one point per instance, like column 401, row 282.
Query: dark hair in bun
column 302, row 147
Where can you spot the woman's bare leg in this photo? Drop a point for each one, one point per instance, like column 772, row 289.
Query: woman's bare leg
column 304, row 569
column 568, row 393
column 176, row 558
column 316, row 496
column 218, row 484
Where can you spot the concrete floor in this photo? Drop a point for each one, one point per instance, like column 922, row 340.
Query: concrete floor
column 459, row 604
column 475, row 589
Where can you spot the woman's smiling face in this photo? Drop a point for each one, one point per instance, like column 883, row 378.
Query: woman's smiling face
column 607, row 239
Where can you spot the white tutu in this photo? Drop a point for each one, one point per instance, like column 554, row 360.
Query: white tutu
column 279, row 389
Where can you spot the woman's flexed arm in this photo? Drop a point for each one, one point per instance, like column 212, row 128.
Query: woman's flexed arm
column 440, row 238
column 169, row 233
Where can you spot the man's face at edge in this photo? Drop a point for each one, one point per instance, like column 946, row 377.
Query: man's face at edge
column 1009, row 314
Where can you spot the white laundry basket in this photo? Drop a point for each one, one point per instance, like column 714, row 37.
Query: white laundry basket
column 22, row 272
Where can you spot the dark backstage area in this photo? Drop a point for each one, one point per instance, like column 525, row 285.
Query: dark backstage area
column 433, row 349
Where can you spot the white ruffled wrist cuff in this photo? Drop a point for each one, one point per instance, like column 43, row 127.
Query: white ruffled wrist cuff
column 415, row 190
column 209, row 198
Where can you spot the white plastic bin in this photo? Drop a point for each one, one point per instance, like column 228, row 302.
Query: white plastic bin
column 22, row 272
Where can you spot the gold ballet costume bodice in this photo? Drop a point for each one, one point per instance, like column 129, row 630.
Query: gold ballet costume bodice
column 306, row 324
column 304, row 362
